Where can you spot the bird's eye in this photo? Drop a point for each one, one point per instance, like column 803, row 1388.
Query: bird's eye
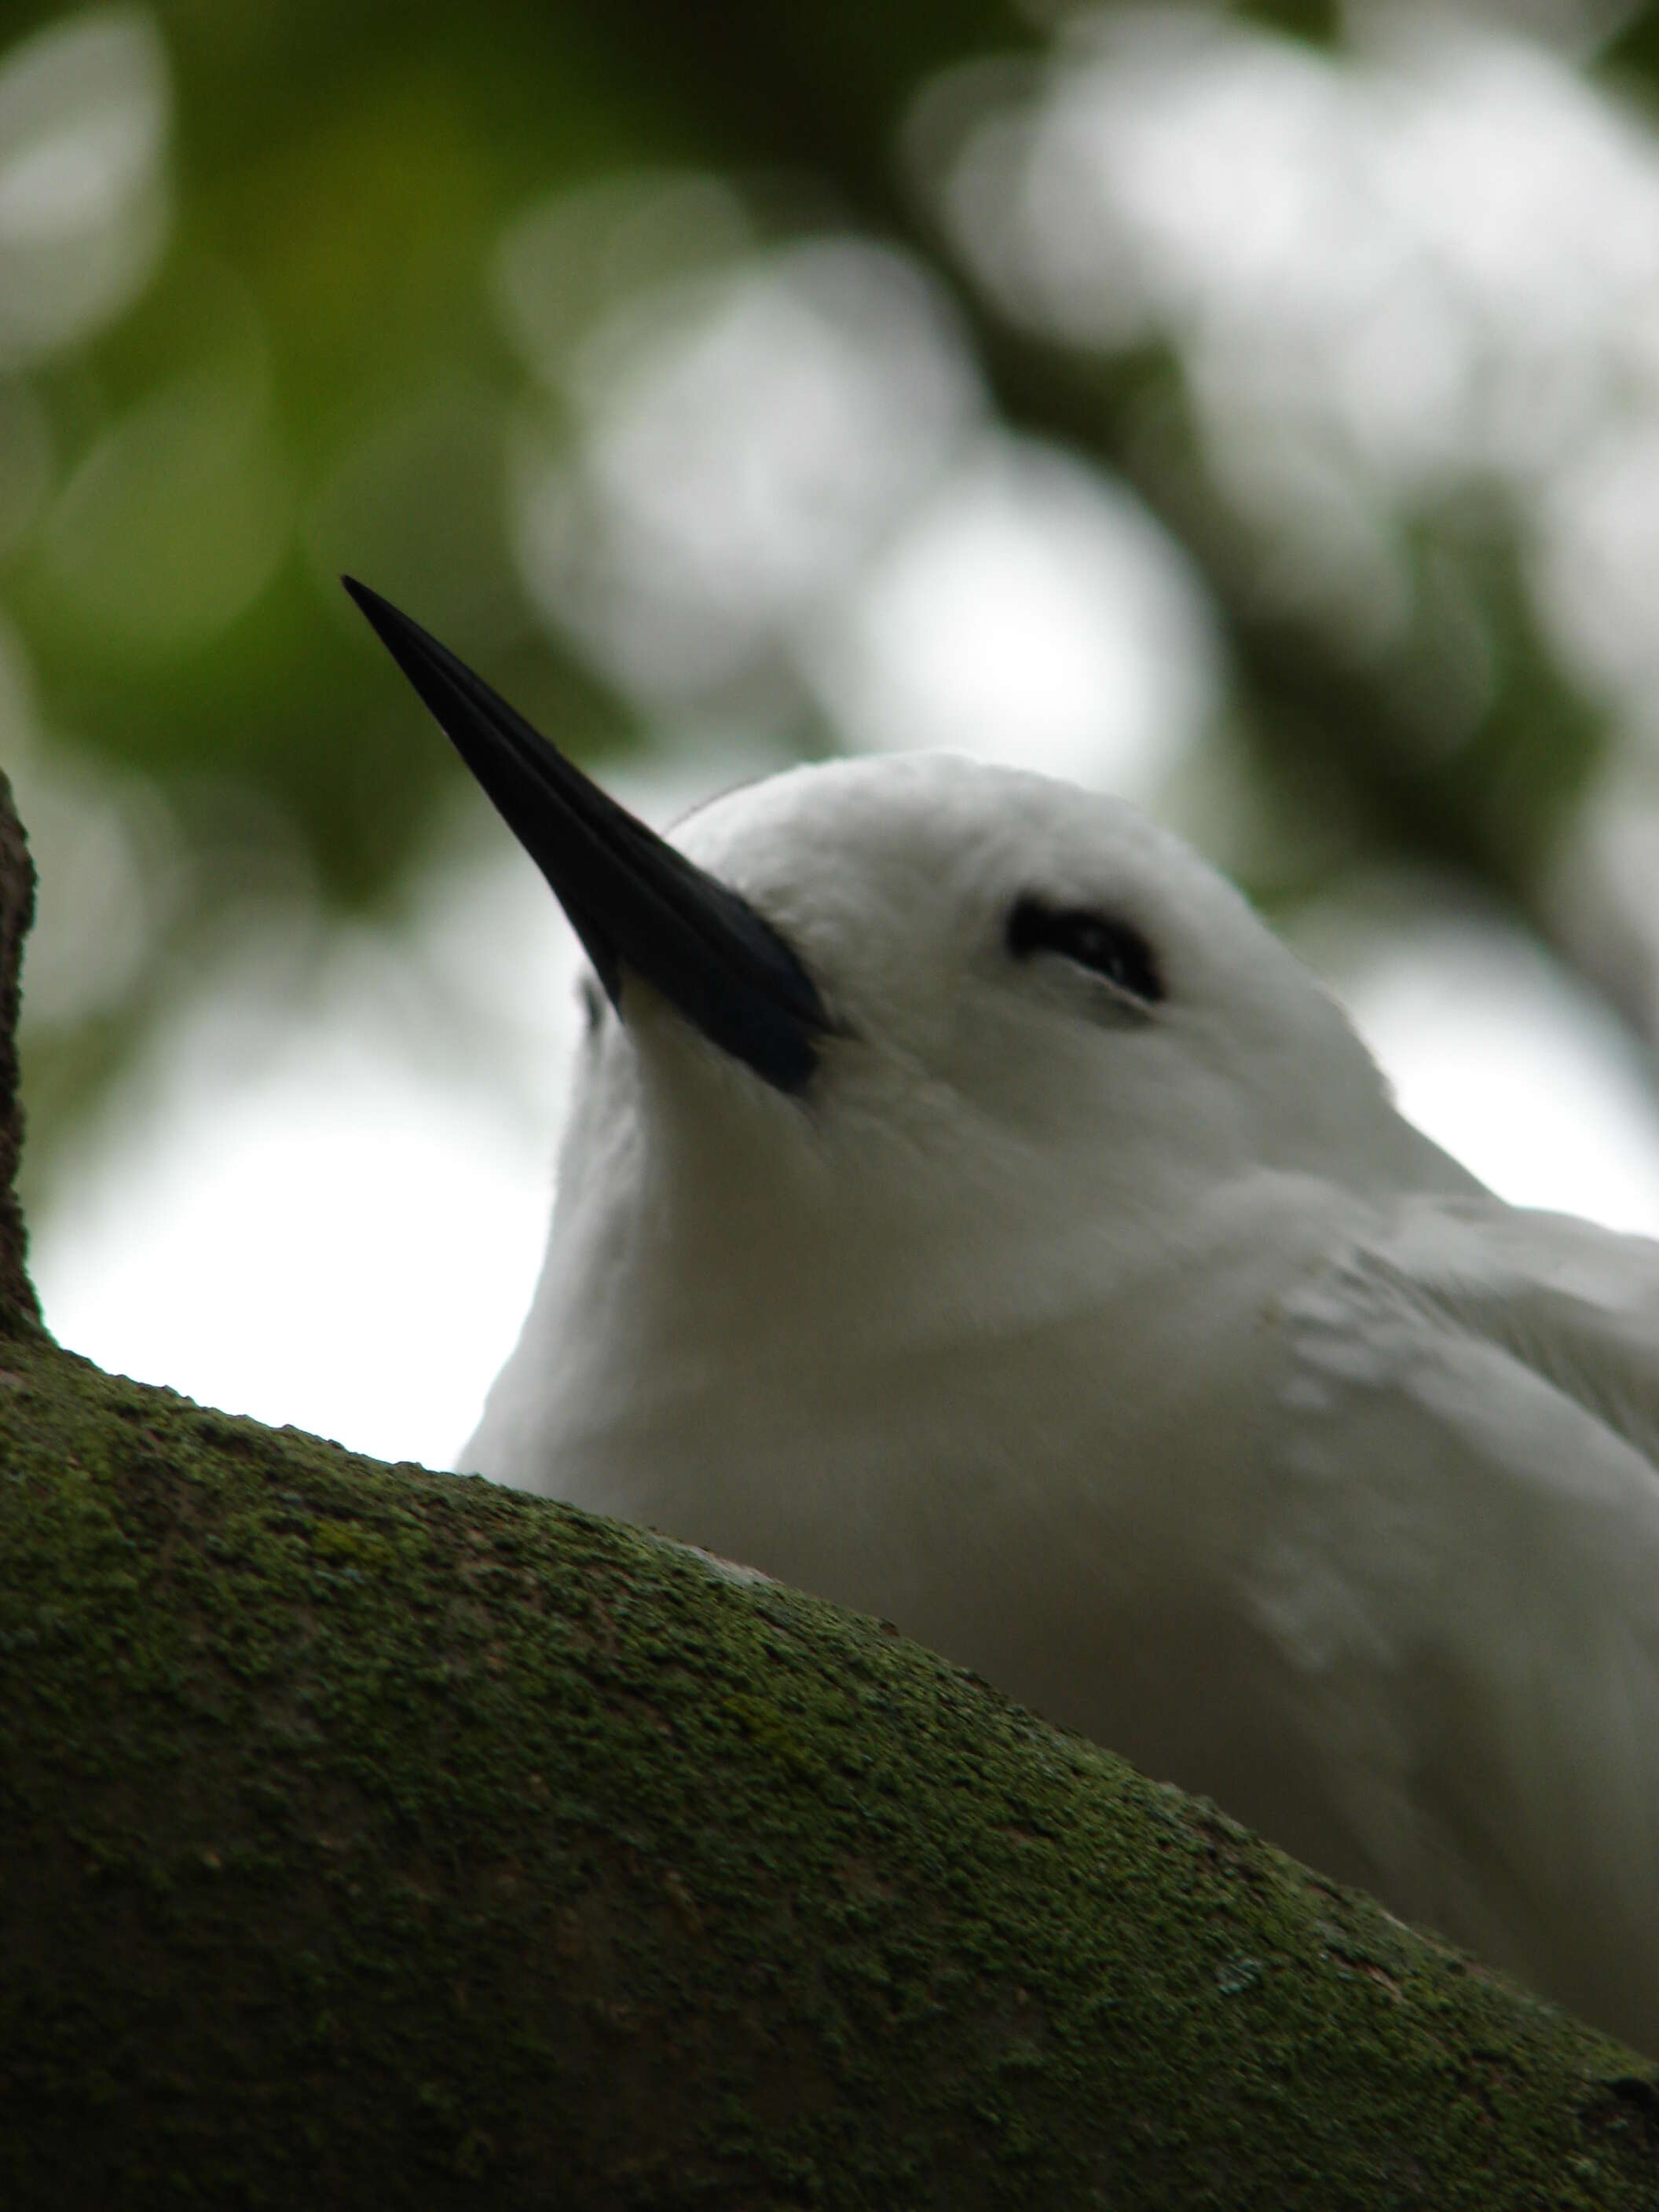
column 1105, row 947
column 592, row 1004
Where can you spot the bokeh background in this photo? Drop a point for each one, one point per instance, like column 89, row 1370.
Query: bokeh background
column 1252, row 412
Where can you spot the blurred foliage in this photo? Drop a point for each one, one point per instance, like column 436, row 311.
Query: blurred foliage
column 303, row 365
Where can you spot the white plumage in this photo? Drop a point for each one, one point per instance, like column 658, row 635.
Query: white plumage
column 1040, row 1262
column 1143, row 1359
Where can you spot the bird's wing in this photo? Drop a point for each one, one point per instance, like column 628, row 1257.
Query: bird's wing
column 1465, row 1572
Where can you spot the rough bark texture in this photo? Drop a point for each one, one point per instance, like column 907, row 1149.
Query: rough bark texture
column 18, row 1308
column 378, row 1838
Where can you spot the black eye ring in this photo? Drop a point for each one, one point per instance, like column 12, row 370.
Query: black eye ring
column 1106, row 947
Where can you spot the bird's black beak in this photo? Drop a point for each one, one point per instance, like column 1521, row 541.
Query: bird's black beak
column 635, row 902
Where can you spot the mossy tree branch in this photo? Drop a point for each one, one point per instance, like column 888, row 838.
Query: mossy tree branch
column 373, row 1836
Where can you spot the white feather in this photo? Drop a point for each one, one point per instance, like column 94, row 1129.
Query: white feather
column 1144, row 1359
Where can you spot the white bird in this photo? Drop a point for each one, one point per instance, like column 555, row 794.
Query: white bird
column 970, row 1211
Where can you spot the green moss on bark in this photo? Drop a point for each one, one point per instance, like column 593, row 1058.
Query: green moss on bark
column 388, row 1838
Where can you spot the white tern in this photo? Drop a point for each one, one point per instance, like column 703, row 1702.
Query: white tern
column 969, row 1211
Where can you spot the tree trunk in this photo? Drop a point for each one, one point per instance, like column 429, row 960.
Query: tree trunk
column 18, row 1308
column 375, row 1837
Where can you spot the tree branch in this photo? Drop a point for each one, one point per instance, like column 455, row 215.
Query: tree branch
column 398, row 1838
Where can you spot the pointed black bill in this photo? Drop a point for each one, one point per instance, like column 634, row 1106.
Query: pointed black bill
column 633, row 901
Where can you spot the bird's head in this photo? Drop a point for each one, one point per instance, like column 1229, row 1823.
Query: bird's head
column 930, row 930
column 856, row 975
column 995, row 948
